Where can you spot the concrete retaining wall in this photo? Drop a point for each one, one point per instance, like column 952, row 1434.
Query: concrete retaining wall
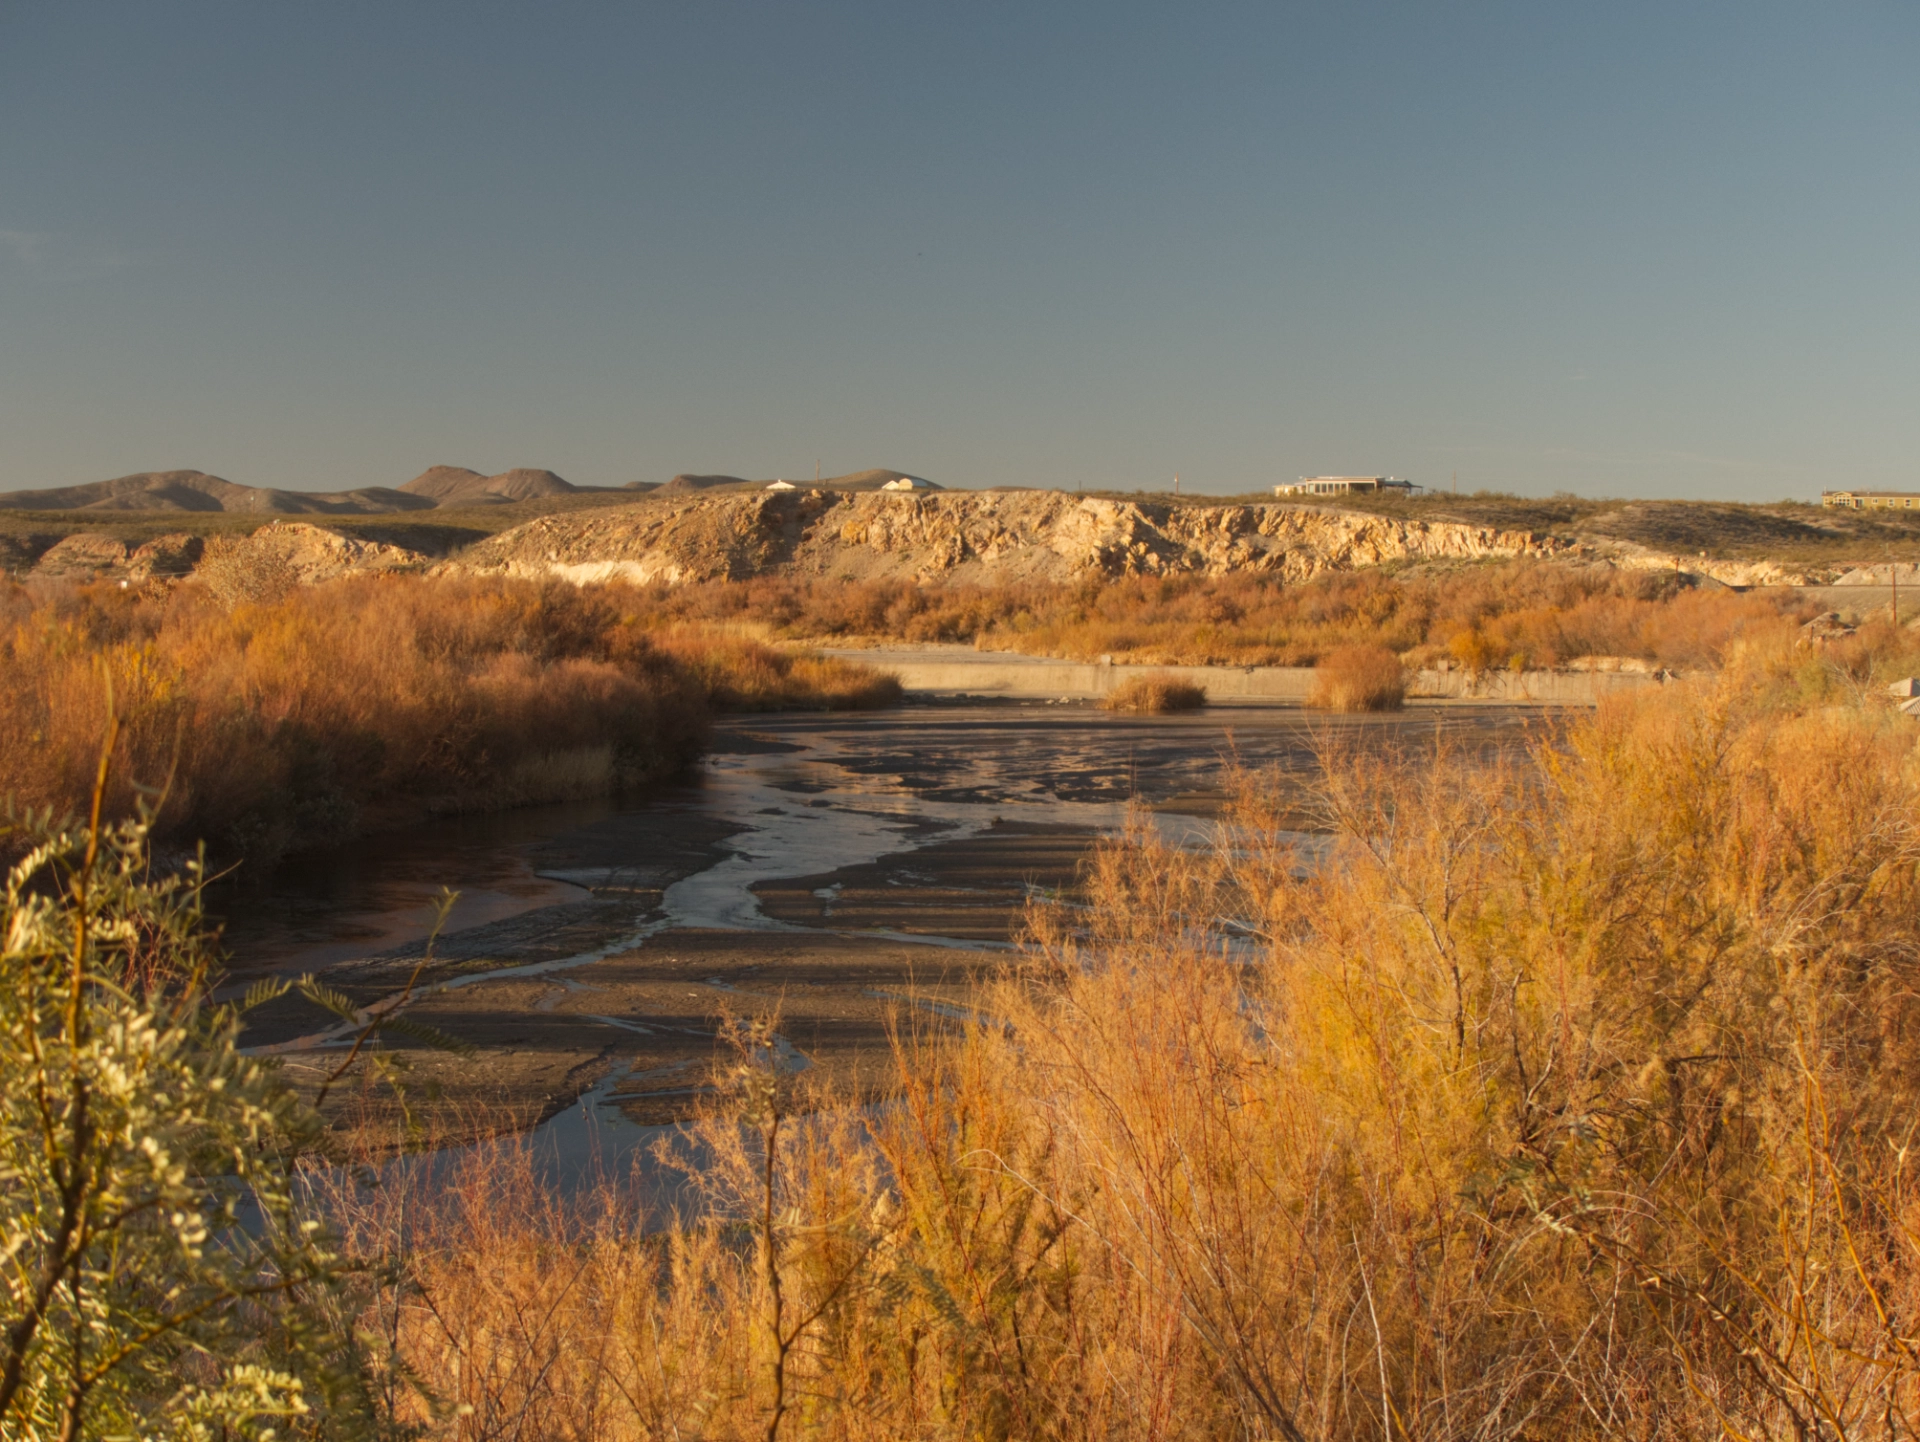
column 962, row 671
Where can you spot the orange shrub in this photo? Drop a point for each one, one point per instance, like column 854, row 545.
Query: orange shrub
column 1567, row 1095
column 1540, row 613
column 745, row 675
column 365, row 702
column 1359, row 678
column 1155, row 695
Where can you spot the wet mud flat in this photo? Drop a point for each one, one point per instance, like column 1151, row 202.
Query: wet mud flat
column 849, row 872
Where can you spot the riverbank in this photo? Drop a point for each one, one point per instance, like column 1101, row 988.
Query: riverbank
column 1475, row 616
column 964, row 671
column 285, row 717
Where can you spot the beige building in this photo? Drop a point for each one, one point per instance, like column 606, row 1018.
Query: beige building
column 1872, row 500
column 1343, row 486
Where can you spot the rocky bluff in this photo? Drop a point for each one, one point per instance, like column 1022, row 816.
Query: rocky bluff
column 982, row 536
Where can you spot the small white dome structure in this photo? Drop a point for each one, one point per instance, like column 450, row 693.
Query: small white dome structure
column 908, row 483
column 783, row 486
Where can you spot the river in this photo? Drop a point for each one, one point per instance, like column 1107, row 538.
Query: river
column 836, row 867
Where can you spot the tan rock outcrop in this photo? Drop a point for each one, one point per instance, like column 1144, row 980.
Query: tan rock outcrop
column 311, row 554
column 979, row 536
column 165, row 558
column 90, row 557
column 306, row 553
column 83, row 557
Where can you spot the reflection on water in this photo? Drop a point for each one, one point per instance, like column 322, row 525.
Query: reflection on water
column 320, row 908
column 781, row 798
column 791, row 796
column 830, row 806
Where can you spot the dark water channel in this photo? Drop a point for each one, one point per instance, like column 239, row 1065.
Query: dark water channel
column 841, row 865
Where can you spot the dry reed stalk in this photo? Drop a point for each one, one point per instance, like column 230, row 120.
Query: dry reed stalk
column 1359, row 678
column 1155, row 694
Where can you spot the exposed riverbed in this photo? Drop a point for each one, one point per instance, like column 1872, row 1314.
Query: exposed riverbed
column 838, row 867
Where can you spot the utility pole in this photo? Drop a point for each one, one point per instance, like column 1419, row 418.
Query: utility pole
column 816, row 471
column 1176, row 483
column 1893, row 575
column 1456, row 484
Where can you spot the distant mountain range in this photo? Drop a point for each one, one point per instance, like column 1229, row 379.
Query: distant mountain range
column 438, row 486
column 458, row 486
column 198, row 491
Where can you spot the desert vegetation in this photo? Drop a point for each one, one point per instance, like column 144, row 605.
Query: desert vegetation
column 1571, row 1100
column 1155, row 694
column 272, row 715
column 741, row 674
column 1569, row 1096
column 161, row 1276
column 1359, row 678
column 1509, row 615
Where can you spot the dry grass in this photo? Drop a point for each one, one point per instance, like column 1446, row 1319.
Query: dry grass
column 1487, row 616
column 1562, row 1100
column 1155, row 694
column 741, row 674
column 285, row 716
column 1359, row 678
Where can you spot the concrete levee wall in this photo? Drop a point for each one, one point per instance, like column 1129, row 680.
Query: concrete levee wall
column 960, row 672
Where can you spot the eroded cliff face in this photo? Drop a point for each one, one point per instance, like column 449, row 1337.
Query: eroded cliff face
column 309, row 554
column 88, row 557
column 314, row 554
column 982, row 537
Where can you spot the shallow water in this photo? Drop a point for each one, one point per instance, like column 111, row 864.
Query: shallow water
column 787, row 796
column 845, row 801
column 780, row 798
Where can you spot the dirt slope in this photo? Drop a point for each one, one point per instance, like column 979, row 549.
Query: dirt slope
column 969, row 536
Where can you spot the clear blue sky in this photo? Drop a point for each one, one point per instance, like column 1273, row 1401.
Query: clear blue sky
column 1625, row 249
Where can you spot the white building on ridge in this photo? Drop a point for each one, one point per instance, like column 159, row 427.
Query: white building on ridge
column 1345, row 486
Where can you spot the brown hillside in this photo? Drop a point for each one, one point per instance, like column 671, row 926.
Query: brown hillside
column 145, row 491
column 458, row 486
column 199, row 492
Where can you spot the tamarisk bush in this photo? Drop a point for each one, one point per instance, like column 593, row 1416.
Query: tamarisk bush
column 1565, row 1096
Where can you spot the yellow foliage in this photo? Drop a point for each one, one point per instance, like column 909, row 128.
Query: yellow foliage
column 304, row 715
column 1567, row 1096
